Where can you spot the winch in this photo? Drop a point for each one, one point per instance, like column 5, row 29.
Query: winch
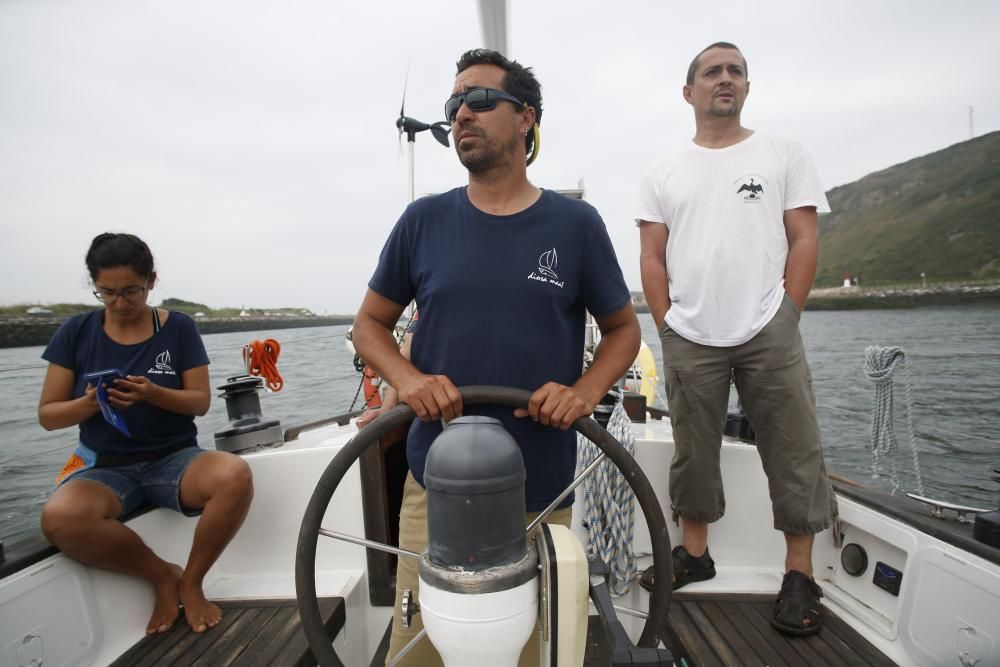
column 247, row 428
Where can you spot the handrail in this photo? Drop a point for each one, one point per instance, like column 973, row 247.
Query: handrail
column 293, row 432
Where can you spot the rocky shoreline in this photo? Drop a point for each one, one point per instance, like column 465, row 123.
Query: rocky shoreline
column 27, row 331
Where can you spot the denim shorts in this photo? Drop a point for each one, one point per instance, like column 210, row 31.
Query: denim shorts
column 155, row 482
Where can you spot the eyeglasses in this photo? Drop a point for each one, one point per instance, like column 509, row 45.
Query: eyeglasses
column 132, row 293
column 477, row 99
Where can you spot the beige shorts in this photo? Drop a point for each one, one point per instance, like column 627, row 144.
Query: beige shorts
column 775, row 388
column 413, row 537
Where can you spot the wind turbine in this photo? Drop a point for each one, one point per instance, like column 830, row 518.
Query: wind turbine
column 411, row 126
column 493, row 22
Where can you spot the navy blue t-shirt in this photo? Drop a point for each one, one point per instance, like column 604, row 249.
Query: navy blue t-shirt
column 82, row 346
column 502, row 301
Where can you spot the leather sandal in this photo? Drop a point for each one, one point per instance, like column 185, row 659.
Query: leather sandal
column 687, row 568
column 797, row 610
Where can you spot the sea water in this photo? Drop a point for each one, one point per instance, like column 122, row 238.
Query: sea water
column 953, row 355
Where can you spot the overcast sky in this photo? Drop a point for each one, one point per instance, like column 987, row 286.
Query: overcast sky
column 252, row 144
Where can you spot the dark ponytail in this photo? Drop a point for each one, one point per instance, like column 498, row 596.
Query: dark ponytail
column 110, row 250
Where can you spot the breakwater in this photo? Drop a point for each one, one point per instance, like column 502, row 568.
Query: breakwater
column 856, row 298
column 878, row 298
column 26, row 331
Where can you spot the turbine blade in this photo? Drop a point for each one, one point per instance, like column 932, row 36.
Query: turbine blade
column 406, row 81
column 440, row 133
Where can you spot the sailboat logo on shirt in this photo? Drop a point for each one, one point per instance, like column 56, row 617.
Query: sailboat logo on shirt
column 547, row 263
column 752, row 186
column 162, row 365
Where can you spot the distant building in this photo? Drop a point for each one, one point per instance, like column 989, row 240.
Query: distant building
column 244, row 313
column 199, row 314
column 39, row 310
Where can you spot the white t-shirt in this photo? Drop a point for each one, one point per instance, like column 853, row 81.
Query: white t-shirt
column 727, row 247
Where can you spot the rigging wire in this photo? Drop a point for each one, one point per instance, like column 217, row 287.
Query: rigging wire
column 32, row 367
column 34, row 454
column 312, row 338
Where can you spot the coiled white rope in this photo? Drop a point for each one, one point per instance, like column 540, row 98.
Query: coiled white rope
column 609, row 505
column 880, row 367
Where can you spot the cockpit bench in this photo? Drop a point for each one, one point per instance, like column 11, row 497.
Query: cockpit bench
column 252, row 632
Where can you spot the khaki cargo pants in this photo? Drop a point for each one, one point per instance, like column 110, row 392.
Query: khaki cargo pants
column 775, row 388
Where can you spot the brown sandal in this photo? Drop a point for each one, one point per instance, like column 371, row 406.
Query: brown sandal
column 687, row 568
column 797, row 610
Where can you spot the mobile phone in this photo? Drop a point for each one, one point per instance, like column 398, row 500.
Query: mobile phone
column 101, row 380
column 107, row 376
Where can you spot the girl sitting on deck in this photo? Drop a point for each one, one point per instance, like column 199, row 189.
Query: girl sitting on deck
column 137, row 437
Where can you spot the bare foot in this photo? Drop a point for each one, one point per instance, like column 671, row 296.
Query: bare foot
column 165, row 608
column 200, row 613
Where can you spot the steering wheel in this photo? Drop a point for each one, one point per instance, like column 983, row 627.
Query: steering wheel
column 305, row 553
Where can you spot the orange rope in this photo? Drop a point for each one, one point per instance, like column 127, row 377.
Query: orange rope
column 261, row 358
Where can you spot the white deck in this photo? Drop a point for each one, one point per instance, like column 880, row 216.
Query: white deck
column 949, row 601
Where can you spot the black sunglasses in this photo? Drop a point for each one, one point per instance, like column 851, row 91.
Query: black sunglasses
column 477, row 99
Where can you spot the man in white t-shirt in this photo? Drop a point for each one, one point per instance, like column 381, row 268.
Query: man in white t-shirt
column 729, row 248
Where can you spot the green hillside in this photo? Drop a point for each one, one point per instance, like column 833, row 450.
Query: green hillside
column 938, row 214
